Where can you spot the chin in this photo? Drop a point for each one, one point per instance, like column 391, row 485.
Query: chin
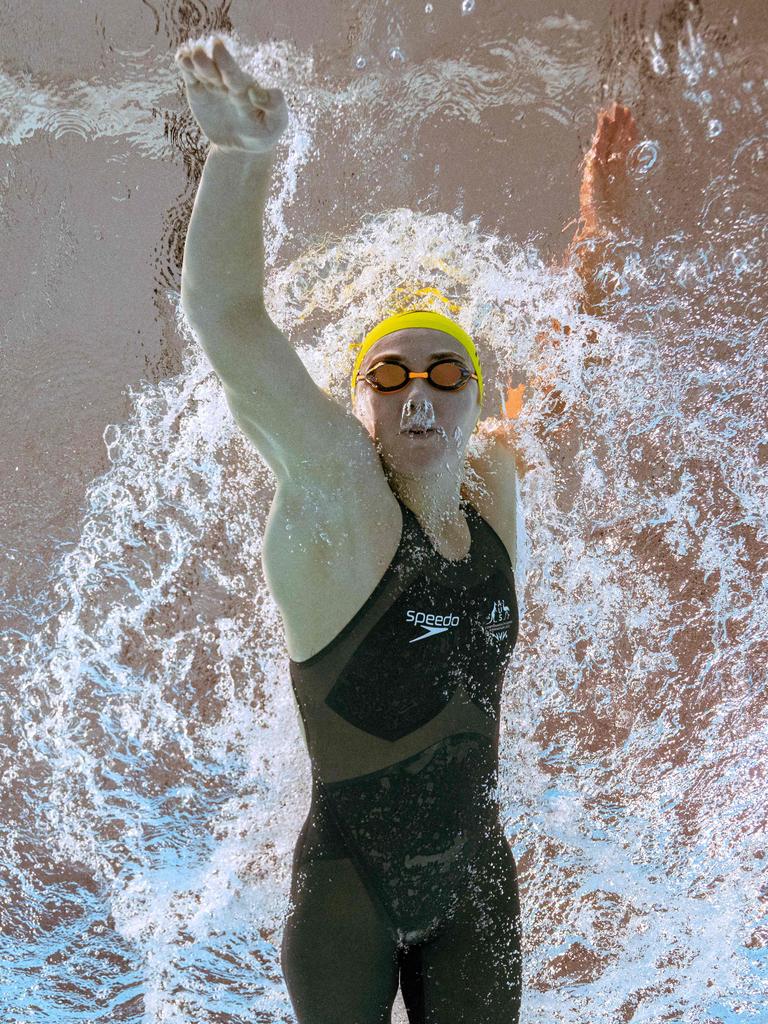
column 404, row 453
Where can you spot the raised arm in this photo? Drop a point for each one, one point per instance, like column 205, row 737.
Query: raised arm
column 602, row 201
column 294, row 425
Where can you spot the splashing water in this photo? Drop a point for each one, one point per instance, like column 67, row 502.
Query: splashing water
column 155, row 778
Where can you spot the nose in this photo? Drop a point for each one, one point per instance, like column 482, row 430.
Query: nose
column 417, row 412
column 417, row 404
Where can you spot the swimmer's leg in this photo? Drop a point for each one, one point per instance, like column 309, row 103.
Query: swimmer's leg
column 339, row 955
column 471, row 972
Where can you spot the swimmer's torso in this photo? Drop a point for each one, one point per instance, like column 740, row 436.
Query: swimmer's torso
column 400, row 712
column 338, row 537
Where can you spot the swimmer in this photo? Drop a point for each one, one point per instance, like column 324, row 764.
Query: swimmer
column 394, row 573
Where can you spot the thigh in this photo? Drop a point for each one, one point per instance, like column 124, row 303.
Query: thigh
column 338, row 955
column 471, row 972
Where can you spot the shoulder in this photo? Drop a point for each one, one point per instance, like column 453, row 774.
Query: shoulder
column 491, row 486
column 329, row 526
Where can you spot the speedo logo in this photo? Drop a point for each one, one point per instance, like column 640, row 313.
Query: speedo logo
column 433, row 624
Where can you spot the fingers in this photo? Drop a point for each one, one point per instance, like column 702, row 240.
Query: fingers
column 187, row 69
column 616, row 116
column 219, row 71
column 513, row 403
column 600, row 138
column 233, row 75
column 197, row 68
column 616, row 132
column 206, row 68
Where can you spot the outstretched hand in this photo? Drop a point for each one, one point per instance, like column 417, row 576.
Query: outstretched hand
column 504, row 428
column 232, row 109
column 603, row 199
column 604, row 181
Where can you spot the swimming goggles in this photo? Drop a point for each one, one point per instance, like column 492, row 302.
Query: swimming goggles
column 390, row 375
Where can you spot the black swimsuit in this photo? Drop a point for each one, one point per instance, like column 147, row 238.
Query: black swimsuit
column 401, row 716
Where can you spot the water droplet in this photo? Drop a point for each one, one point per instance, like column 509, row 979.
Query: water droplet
column 396, row 54
column 659, row 64
column 739, row 261
column 467, row 6
column 428, row 8
column 360, row 62
column 642, row 157
column 714, row 128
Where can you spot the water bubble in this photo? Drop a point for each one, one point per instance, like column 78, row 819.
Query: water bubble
column 360, row 62
column 396, row 54
column 694, row 271
column 643, row 157
column 714, row 128
column 658, row 63
column 750, row 159
column 610, row 279
column 739, row 261
column 467, row 6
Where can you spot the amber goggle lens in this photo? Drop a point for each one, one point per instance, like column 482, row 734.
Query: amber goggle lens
column 390, row 376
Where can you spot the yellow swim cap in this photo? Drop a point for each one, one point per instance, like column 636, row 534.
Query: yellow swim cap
column 418, row 318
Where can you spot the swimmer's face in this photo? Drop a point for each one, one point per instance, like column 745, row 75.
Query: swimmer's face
column 390, row 418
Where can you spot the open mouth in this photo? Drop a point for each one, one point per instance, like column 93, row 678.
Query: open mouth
column 419, row 432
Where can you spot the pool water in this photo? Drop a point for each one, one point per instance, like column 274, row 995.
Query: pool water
column 152, row 773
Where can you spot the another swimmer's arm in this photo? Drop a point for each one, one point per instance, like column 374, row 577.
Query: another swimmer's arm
column 503, row 431
column 603, row 197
